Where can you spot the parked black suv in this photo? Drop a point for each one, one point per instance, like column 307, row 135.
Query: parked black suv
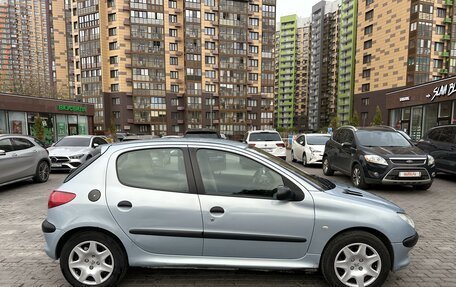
column 440, row 142
column 202, row 133
column 377, row 155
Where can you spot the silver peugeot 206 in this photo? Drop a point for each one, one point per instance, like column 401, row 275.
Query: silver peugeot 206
column 217, row 203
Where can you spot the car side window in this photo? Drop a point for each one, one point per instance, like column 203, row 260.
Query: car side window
column 447, row 135
column 336, row 136
column 6, row 145
column 99, row 141
column 350, row 137
column 157, row 169
column 434, row 135
column 228, row 174
column 21, row 144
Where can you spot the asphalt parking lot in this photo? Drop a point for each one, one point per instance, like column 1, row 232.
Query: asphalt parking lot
column 23, row 262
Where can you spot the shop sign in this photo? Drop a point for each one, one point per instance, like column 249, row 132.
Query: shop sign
column 78, row 109
column 404, row 99
column 443, row 90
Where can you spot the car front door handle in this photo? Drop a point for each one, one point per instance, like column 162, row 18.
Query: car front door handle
column 124, row 204
column 217, row 210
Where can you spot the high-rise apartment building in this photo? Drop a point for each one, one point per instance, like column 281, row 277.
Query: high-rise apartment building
column 292, row 51
column 346, row 70
column 25, row 50
column 163, row 66
column 323, row 64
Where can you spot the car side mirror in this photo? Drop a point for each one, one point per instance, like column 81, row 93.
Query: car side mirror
column 286, row 194
column 95, row 145
column 2, row 152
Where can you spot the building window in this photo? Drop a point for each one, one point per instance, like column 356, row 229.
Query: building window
column 115, row 88
column 113, row 60
column 365, row 88
column 210, row 74
column 368, row 29
column 209, row 31
column 365, row 101
column 173, row 46
column 173, row 32
column 209, row 16
column 174, row 74
column 367, row 58
column 112, row 17
column 209, row 59
column 253, row 77
column 254, row 35
column 366, row 73
column 439, row 29
column 253, row 63
column 172, row 18
column 367, row 44
column 114, row 74
column 112, row 31
column 364, row 118
column 438, row 63
column 116, row 115
column 175, row 88
column 438, row 46
column 209, row 45
column 368, row 2
column 413, row 26
column 369, row 15
column 113, row 46
column 173, row 61
column 111, row 3
column 209, row 2
column 441, row 12
column 172, row 4
column 254, row 21
column 116, row 101
column 253, row 49
column 210, row 88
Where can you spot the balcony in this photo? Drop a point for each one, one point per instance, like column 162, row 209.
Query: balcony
column 447, row 20
column 449, row 2
column 181, row 108
column 443, row 71
column 444, row 54
column 446, row 37
column 129, row 107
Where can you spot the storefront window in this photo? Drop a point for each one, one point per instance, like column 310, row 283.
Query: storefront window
column 454, row 113
column 444, row 113
column 430, row 116
column 406, row 114
column 395, row 118
column 415, row 126
column 73, row 125
column 3, row 125
column 62, row 126
column 83, row 125
column 47, row 122
column 17, row 123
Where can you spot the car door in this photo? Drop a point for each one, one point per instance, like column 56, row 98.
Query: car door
column 26, row 157
column 346, row 152
column 335, row 149
column 152, row 196
column 8, row 166
column 241, row 216
column 299, row 150
column 446, row 149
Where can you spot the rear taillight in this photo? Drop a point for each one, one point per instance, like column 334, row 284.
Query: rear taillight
column 280, row 145
column 251, row 145
column 58, row 198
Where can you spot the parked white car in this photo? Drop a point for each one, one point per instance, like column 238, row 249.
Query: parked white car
column 309, row 148
column 269, row 141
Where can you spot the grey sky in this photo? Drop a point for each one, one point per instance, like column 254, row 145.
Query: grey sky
column 302, row 8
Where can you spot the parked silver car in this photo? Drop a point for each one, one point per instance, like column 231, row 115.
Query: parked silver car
column 22, row 158
column 71, row 151
column 217, row 203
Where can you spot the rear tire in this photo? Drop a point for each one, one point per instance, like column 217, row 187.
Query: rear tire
column 292, row 156
column 327, row 170
column 353, row 256
column 92, row 258
column 42, row 172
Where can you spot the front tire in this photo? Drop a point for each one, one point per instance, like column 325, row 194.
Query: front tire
column 327, row 170
column 42, row 172
column 357, row 177
column 304, row 159
column 356, row 258
column 93, row 259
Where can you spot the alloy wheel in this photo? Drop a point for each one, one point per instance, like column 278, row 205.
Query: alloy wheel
column 356, row 176
column 43, row 171
column 91, row 263
column 358, row 264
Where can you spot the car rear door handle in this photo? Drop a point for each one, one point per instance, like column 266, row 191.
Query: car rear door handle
column 217, row 210
column 124, row 204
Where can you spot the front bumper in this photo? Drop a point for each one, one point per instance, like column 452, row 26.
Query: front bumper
column 393, row 174
column 401, row 252
column 65, row 163
column 315, row 158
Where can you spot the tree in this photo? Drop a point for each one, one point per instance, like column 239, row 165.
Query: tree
column 39, row 128
column 377, row 118
column 335, row 123
column 354, row 121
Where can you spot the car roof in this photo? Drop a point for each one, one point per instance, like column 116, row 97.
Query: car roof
column 263, row 131
column 371, row 128
column 178, row 141
column 15, row 135
column 82, row 136
column 314, row 135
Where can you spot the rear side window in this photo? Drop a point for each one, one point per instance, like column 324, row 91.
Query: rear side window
column 156, row 169
column 447, row 135
column 20, row 144
column 6, row 145
column 264, row 137
column 434, row 134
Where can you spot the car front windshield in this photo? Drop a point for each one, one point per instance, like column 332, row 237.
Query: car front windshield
column 319, row 183
column 317, row 140
column 73, row 142
column 264, row 137
column 381, row 139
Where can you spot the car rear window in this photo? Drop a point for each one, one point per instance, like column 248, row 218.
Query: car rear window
column 265, row 137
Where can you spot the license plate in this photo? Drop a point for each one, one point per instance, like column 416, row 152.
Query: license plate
column 409, row 174
column 56, row 165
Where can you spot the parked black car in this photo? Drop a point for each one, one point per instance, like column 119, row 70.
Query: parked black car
column 440, row 142
column 377, row 155
column 202, row 133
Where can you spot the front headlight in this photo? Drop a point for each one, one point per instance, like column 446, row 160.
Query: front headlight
column 78, row 156
column 372, row 158
column 431, row 160
column 407, row 219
